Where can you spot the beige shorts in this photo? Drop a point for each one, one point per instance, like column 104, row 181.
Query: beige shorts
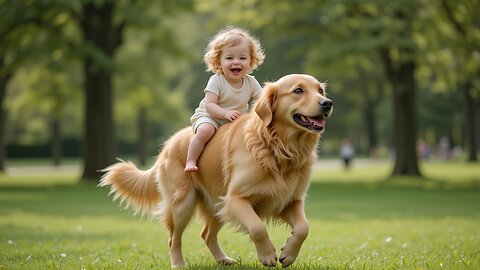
column 205, row 119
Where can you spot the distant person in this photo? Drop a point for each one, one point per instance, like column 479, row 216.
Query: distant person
column 457, row 152
column 443, row 150
column 423, row 150
column 347, row 152
column 232, row 54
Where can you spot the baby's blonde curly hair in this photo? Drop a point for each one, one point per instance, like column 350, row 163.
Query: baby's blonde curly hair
column 229, row 37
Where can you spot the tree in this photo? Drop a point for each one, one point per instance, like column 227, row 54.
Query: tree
column 151, row 86
column 92, row 32
column 25, row 37
column 101, row 39
column 52, row 89
column 359, row 27
column 4, row 79
column 103, row 28
column 462, row 16
column 387, row 28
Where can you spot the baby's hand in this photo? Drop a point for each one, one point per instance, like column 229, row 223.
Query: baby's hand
column 232, row 115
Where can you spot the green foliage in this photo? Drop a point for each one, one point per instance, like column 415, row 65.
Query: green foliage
column 56, row 95
column 339, row 41
column 48, row 32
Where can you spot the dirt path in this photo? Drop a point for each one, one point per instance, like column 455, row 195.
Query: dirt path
column 42, row 170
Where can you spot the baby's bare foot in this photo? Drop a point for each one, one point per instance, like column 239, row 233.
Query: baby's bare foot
column 191, row 166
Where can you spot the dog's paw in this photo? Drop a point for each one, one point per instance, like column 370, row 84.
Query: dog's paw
column 290, row 251
column 226, row 261
column 267, row 255
column 286, row 260
column 269, row 260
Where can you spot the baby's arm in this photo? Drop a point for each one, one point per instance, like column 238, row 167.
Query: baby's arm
column 216, row 111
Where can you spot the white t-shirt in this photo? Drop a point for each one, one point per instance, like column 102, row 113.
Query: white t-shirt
column 229, row 98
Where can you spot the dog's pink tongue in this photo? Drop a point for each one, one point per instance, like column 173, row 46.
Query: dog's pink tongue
column 317, row 121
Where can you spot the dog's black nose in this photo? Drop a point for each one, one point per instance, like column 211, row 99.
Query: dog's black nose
column 326, row 104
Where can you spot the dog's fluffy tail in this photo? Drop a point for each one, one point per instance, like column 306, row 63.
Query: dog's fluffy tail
column 135, row 188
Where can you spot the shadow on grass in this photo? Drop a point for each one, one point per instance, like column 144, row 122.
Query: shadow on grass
column 241, row 265
column 43, row 234
column 83, row 199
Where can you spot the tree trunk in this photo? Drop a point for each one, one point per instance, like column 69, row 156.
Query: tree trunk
column 142, row 135
column 405, row 124
column 3, row 151
column 370, row 126
column 477, row 124
column 4, row 78
column 470, row 122
column 401, row 76
column 56, row 140
column 373, row 96
column 99, row 136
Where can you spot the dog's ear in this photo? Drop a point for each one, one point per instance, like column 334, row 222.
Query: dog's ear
column 266, row 105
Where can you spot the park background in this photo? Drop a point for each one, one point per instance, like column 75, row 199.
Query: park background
column 84, row 82
column 101, row 79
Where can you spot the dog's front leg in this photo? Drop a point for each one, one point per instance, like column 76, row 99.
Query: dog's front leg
column 242, row 211
column 294, row 215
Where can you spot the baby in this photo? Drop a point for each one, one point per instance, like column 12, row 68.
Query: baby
column 232, row 55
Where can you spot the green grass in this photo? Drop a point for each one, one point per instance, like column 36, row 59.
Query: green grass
column 358, row 220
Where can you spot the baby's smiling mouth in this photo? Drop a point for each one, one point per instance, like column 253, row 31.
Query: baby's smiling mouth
column 236, row 70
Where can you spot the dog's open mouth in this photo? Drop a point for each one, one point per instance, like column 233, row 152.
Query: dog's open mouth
column 312, row 123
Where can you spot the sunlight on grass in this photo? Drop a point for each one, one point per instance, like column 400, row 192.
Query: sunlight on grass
column 452, row 171
column 366, row 174
column 378, row 171
column 43, row 180
column 357, row 221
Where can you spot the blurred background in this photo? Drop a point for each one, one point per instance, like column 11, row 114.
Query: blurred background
column 92, row 80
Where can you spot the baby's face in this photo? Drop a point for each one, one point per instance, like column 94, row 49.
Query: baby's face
column 235, row 61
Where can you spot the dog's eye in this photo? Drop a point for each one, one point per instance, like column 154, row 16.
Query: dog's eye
column 298, row 91
column 321, row 91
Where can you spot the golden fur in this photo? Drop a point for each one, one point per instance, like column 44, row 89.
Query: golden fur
column 254, row 169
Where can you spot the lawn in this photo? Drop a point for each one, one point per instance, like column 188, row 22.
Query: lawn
column 358, row 220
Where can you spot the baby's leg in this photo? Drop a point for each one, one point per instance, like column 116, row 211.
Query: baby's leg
column 204, row 133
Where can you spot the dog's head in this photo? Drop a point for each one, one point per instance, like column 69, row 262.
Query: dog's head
column 296, row 100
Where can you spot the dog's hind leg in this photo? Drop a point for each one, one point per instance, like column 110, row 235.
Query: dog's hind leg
column 210, row 233
column 180, row 213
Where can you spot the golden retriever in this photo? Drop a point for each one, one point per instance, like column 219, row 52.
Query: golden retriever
column 254, row 169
